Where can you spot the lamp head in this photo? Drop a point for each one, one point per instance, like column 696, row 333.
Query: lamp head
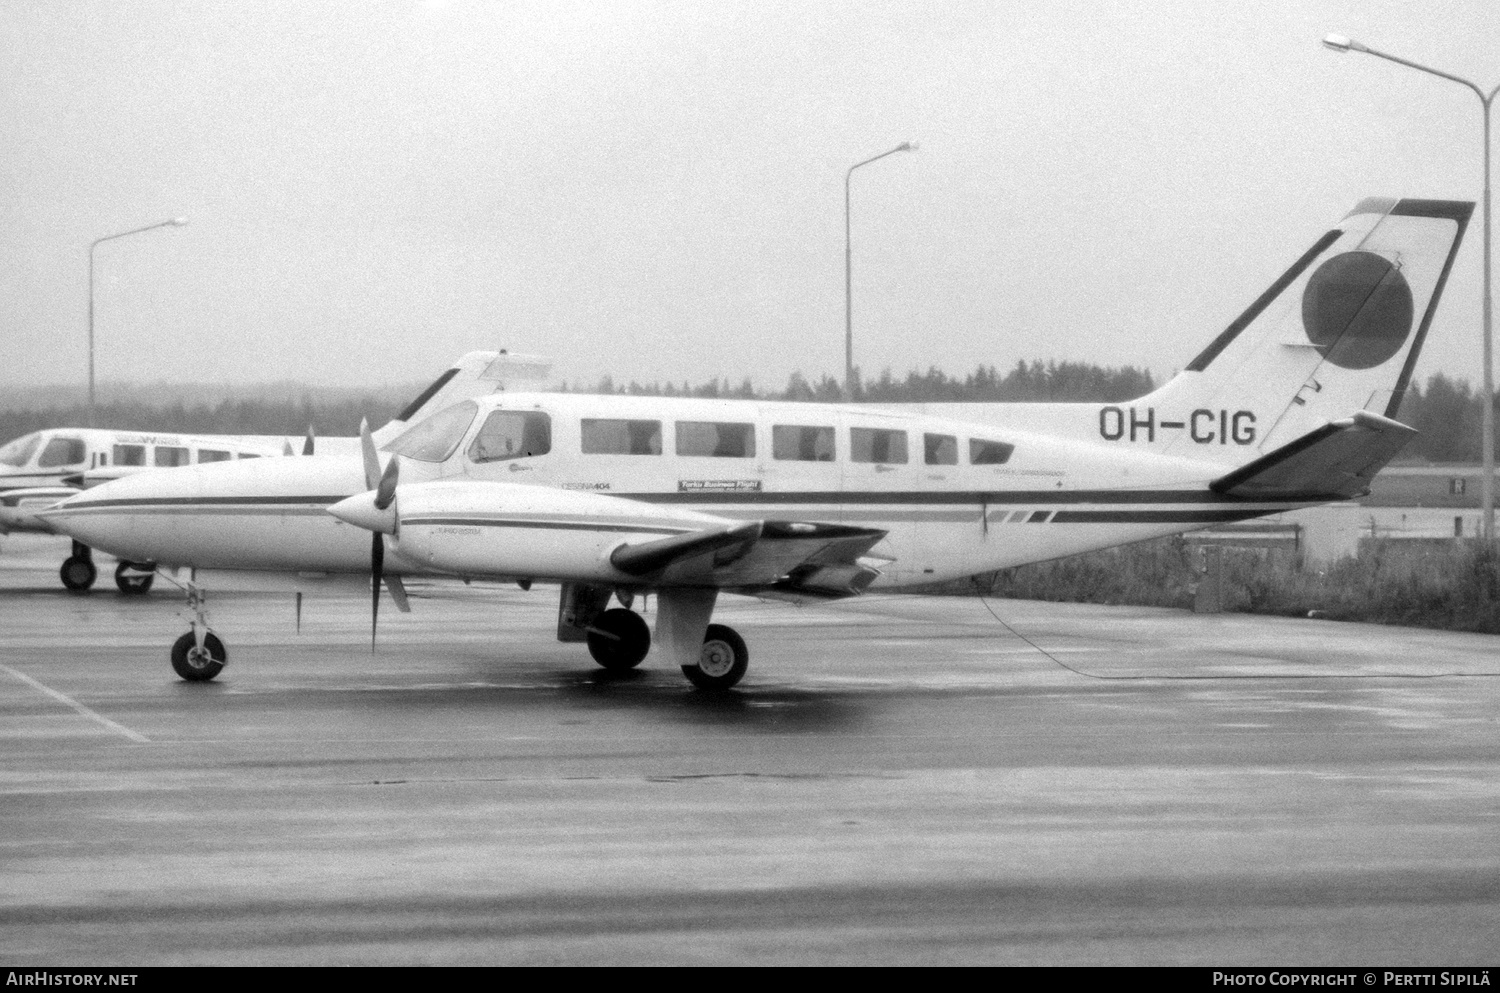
column 1339, row 43
column 178, row 222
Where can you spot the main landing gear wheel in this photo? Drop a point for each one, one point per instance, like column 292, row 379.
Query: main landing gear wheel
column 619, row 639
column 132, row 577
column 723, row 661
column 78, row 573
column 198, row 665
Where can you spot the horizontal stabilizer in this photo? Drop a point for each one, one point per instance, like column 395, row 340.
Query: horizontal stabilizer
column 1337, row 461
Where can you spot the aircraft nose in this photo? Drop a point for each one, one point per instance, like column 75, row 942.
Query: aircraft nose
column 360, row 510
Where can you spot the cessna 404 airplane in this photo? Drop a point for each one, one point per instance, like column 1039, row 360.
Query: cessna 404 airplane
column 41, row 468
column 1289, row 406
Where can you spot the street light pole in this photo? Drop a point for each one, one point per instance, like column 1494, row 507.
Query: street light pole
column 175, row 222
column 905, row 146
column 1339, row 43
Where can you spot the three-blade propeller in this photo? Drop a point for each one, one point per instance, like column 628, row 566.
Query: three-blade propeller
column 383, row 521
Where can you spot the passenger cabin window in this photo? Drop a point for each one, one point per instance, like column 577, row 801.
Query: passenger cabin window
column 512, row 434
column 983, row 452
column 940, row 449
column 249, row 455
column 20, row 451
column 801, row 443
column 877, row 445
column 212, row 455
column 63, row 451
column 434, row 439
column 716, row 440
column 611, row 437
column 171, row 455
column 130, row 455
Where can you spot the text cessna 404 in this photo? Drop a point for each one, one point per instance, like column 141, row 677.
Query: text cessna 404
column 1290, row 406
column 41, row 468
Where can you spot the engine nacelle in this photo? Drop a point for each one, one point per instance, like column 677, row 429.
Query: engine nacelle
column 473, row 528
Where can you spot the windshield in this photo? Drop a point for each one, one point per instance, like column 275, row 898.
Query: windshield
column 434, row 439
column 19, row 452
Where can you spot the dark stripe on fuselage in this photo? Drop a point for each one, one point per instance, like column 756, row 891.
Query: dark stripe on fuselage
column 1155, row 516
column 235, row 501
column 831, row 498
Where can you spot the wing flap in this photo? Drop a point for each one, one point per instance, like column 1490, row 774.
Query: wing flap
column 1336, row 461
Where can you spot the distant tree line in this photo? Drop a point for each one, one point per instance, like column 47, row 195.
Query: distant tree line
column 1028, row 381
column 290, row 418
column 1446, row 411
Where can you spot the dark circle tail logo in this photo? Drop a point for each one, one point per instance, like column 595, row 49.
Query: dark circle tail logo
column 1357, row 310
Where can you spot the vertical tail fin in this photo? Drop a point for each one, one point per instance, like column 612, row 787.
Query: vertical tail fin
column 1339, row 332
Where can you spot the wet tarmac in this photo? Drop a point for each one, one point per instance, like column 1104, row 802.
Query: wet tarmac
column 898, row 780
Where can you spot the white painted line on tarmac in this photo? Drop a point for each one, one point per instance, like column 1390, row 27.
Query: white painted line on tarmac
column 86, row 712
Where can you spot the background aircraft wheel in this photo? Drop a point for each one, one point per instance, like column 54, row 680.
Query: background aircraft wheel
column 723, row 662
column 133, row 578
column 630, row 642
column 78, row 574
column 198, row 665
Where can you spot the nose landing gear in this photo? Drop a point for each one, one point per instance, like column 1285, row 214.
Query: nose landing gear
column 198, row 655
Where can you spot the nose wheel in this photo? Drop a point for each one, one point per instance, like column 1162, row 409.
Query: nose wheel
column 133, row 577
column 195, row 663
column 722, row 662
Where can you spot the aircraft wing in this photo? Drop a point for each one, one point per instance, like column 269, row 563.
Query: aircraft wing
column 1336, row 461
column 789, row 557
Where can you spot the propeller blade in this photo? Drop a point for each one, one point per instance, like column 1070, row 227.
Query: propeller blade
column 377, row 570
column 307, row 443
column 372, row 460
column 398, row 592
column 385, row 493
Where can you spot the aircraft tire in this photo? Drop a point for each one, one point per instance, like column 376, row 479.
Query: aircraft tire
column 129, row 578
column 620, row 639
column 723, row 662
column 192, row 665
column 78, row 574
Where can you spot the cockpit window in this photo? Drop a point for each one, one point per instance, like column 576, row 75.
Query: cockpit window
column 434, row 439
column 63, row 451
column 20, row 451
column 512, row 434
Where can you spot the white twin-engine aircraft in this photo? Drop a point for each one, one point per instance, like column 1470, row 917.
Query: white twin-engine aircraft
column 1290, row 406
column 41, row 468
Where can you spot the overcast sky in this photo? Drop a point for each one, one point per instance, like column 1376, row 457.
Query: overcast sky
column 655, row 189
